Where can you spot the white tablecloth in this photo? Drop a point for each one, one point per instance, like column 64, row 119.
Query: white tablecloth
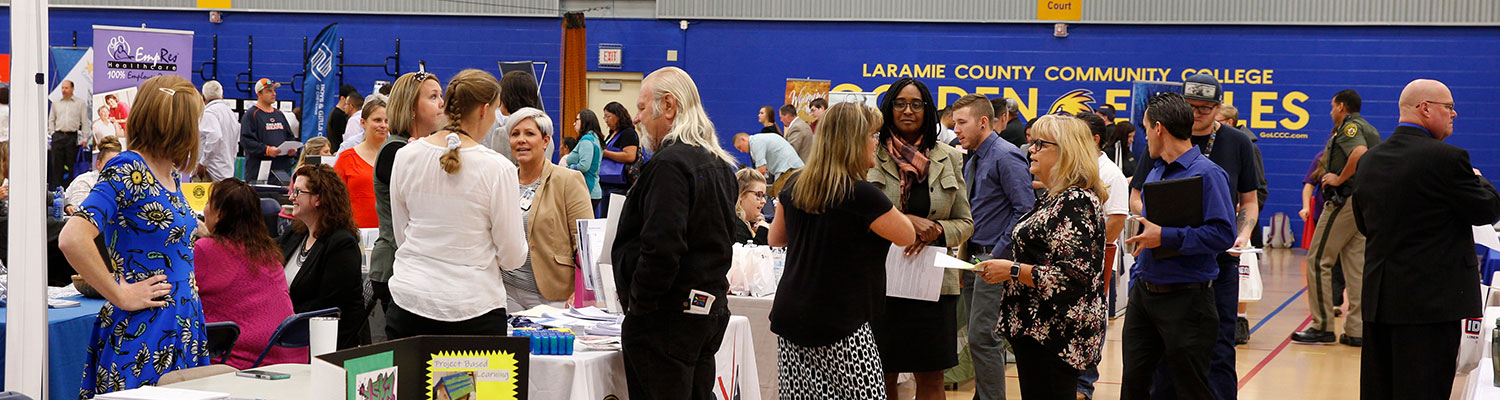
column 758, row 311
column 593, row 375
column 296, row 387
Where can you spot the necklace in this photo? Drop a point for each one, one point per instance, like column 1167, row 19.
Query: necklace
column 302, row 253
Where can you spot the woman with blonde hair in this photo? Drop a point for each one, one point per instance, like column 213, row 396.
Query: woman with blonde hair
column 552, row 199
column 456, row 215
column 748, row 207
column 318, row 146
column 1053, row 312
column 833, row 217
column 153, row 322
column 415, row 110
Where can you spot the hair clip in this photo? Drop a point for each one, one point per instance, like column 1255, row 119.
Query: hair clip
column 168, row 91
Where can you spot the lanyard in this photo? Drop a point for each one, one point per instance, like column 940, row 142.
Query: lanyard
column 1211, row 137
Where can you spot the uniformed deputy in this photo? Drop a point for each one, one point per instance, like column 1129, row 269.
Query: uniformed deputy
column 1336, row 239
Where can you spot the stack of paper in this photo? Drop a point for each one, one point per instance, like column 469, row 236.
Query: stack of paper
column 160, row 393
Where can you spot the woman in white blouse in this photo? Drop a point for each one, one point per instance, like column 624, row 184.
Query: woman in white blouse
column 457, row 221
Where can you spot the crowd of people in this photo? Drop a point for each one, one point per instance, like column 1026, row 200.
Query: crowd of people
column 475, row 220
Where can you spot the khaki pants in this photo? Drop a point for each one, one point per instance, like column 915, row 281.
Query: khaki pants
column 1336, row 240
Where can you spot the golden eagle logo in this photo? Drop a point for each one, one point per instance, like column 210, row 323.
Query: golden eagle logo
column 1074, row 102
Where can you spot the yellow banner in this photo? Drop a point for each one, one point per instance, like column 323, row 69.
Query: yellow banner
column 197, row 194
column 801, row 92
column 213, row 3
column 1055, row 10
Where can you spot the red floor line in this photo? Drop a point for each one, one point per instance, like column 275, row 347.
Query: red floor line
column 1273, row 355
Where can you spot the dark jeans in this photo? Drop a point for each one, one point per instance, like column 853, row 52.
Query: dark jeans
column 602, row 209
column 1222, row 377
column 1176, row 330
column 64, row 154
column 670, row 354
column 1413, row 362
column 400, row 323
column 1042, row 373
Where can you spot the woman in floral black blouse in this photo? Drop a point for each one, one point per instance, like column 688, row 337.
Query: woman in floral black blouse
column 1053, row 312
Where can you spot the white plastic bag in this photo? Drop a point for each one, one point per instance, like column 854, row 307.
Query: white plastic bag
column 752, row 272
column 1251, row 287
column 737, row 283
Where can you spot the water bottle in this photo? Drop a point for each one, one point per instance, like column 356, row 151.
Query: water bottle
column 57, row 203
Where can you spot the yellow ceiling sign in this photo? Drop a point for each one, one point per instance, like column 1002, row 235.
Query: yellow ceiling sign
column 213, row 3
column 1047, row 10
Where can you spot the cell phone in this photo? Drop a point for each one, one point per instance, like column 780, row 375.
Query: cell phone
column 259, row 374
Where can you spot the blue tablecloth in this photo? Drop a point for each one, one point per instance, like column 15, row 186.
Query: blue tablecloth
column 1489, row 263
column 68, row 331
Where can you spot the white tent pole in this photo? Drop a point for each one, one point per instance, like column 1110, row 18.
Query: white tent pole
column 26, row 316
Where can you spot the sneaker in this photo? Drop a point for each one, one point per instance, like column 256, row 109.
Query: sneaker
column 1352, row 341
column 1311, row 335
column 1241, row 330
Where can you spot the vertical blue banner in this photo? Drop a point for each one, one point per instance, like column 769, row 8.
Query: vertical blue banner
column 319, row 92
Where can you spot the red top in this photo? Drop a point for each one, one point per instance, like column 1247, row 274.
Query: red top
column 359, row 176
column 254, row 296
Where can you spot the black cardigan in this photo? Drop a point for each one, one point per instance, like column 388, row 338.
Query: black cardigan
column 330, row 277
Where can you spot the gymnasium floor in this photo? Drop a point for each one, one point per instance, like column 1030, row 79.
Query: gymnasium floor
column 1271, row 367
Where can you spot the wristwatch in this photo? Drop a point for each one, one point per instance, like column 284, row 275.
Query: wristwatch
column 1015, row 271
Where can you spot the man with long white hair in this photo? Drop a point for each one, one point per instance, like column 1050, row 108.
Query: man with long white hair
column 672, row 249
column 219, row 129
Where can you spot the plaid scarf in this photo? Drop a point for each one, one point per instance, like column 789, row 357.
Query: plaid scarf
column 910, row 162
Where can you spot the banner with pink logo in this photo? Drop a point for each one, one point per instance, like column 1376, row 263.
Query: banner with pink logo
column 124, row 56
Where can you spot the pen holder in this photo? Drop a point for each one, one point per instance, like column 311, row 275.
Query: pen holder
column 547, row 342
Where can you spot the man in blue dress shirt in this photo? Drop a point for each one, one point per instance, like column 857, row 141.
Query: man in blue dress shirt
column 1171, row 319
column 999, row 193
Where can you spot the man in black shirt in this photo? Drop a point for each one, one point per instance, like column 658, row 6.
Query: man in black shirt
column 672, row 249
column 338, row 120
column 1232, row 151
column 1008, row 121
column 262, row 129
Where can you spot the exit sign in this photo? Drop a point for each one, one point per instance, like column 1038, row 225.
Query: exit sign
column 611, row 55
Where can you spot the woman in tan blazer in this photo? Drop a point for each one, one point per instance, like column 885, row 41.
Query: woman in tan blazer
column 924, row 178
column 553, row 198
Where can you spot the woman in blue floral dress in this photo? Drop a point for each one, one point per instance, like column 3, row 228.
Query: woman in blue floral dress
column 153, row 322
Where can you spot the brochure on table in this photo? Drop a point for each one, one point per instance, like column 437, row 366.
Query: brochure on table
column 427, row 367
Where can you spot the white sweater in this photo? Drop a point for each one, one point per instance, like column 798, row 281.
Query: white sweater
column 454, row 231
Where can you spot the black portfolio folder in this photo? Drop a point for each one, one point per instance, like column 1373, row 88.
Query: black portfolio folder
column 1176, row 203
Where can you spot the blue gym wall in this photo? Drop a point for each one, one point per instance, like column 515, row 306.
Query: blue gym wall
column 742, row 65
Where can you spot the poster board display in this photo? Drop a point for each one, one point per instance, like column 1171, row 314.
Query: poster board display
column 428, row 367
column 801, row 92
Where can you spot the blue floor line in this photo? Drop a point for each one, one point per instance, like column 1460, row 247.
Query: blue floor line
column 1277, row 310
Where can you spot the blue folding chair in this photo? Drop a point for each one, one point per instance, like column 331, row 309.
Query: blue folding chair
column 221, row 339
column 293, row 332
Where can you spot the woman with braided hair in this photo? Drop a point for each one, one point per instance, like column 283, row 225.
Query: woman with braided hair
column 456, row 218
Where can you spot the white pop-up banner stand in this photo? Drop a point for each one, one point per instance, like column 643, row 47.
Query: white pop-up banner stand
column 26, row 318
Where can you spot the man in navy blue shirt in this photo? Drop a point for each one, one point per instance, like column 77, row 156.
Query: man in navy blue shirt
column 1233, row 152
column 262, row 129
column 999, row 193
column 1171, row 319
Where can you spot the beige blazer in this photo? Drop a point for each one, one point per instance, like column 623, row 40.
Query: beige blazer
column 800, row 135
column 946, row 189
column 560, row 201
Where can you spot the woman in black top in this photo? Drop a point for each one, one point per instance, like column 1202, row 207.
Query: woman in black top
column 767, row 117
column 821, row 314
column 322, row 252
column 622, row 147
column 748, row 206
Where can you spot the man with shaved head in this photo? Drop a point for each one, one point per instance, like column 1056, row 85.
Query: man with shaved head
column 1415, row 199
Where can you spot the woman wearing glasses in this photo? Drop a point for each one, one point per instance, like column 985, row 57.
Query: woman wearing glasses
column 924, row 179
column 1053, row 312
column 415, row 110
column 321, row 252
column 748, row 207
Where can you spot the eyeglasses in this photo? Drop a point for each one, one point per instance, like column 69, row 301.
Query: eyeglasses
column 915, row 105
column 1036, row 144
column 1449, row 106
column 1204, row 109
column 759, row 194
column 298, row 192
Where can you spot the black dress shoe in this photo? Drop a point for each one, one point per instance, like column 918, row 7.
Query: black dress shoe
column 1241, row 330
column 1352, row 341
column 1311, row 335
